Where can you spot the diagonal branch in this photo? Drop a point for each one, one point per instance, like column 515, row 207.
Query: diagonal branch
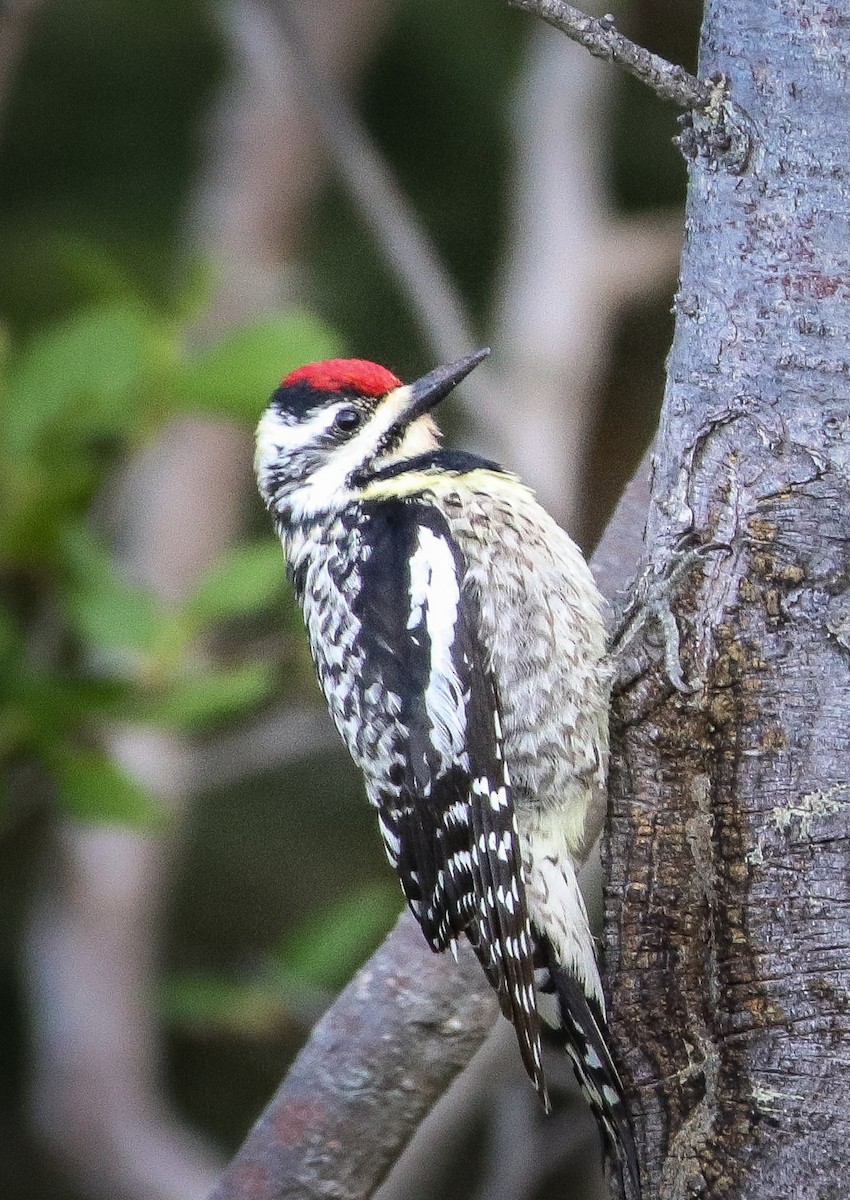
column 600, row 38
column 372, row 1069
column 715, row 128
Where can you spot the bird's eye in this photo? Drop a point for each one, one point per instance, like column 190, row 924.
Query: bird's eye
column 347, row 419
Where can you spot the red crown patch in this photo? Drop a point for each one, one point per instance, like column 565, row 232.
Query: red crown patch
column 338, row 374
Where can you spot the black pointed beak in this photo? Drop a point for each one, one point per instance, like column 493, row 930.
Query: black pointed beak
column 427, row 392
column 411, row 401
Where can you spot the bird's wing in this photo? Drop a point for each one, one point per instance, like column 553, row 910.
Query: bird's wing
column 444, row 800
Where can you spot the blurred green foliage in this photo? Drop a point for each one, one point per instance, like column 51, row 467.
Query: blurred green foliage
column 315, row 959
column 81, row 643
column 100, row 141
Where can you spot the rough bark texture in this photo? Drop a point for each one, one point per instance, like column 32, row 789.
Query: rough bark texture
column 729, row 888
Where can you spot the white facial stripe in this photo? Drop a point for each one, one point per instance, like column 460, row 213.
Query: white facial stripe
column 327, row 484
column 419, row 437
column 277, row 438
column 359, row 448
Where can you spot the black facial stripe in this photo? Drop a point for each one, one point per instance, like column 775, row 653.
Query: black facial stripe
column 298, row 400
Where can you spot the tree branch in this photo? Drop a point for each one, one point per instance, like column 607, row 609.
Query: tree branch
column 264, row 164
column 392, row 1043
column 373, row 1067
column 601, row 39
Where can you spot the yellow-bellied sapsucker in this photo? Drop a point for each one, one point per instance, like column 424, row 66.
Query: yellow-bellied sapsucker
column 459, row 640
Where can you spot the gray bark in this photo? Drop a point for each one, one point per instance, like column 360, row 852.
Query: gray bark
column 729, row 854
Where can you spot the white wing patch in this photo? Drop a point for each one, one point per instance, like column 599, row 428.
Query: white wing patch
column 435, row 595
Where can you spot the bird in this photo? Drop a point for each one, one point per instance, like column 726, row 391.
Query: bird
column 459, row 639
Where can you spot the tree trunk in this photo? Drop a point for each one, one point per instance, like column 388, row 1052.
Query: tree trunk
column 728, row 899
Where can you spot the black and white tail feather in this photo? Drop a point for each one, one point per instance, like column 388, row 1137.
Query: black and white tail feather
column 577, row 1024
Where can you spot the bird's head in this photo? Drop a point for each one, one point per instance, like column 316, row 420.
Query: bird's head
column 330, row 425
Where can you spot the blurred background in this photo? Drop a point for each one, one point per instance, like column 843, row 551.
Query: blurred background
column 194, row 199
